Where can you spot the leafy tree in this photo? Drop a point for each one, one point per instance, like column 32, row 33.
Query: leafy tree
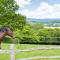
column 8, row 16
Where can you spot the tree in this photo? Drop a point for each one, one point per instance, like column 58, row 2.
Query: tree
column 8, row 16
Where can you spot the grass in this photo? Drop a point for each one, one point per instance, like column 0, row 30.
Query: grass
column 19, row 46
column 46, row 59
column 51, row 52
column 22, row 46
column 5, row 46
column 25, row 46
column 4, row 56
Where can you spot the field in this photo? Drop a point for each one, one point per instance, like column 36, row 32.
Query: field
column 46, row 59
column 33, row 53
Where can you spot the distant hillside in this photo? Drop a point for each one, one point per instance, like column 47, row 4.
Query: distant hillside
column 32, row 20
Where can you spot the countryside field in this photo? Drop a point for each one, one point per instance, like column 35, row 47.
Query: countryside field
column 29, row 54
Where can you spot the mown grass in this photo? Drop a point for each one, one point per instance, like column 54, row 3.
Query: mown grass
column 4, row 56
column 47, row 59
column 5, row 46
column 19, row 46
column 25, row 46
column 51, row 52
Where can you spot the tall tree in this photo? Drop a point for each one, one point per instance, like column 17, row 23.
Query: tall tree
column 8, row 16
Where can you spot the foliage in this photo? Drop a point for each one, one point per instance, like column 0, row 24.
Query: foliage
column 32, row 35
column 8, row 16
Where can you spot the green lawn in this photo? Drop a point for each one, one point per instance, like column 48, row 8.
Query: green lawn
column 5, row 46
column 25, row 46
column 51, row 52
column 20, row 46
column 46, row 59
column 4, row 56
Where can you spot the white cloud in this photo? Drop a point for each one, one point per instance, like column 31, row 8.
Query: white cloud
column 22, row 3
column 43, row 11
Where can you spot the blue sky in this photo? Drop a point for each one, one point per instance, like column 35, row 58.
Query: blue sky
column 39, row 8
column 35, row 3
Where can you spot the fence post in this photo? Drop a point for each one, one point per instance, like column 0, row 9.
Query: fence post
column 12, row 52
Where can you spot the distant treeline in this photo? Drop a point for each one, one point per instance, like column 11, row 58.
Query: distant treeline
column 54, row 21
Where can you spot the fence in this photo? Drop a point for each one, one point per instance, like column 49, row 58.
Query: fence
column 12, row 52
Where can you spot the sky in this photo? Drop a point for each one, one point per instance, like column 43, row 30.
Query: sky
column 39, row 9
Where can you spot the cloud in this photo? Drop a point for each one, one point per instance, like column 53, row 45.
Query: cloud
column 44, row 10
column 23, row 3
